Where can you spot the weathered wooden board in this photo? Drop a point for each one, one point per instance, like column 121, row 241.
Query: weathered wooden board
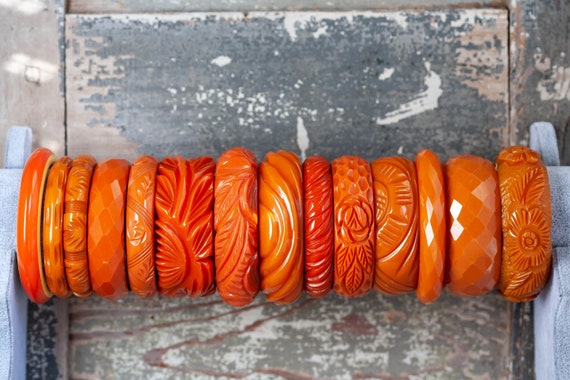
column 370, row 83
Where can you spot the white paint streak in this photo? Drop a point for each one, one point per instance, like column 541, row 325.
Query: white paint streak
column 302, row 138
column 426, row 100
column 386, row 73
column 221, row 61
column 555, row 86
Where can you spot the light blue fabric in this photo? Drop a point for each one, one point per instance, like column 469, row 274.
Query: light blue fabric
column 542, row 136
column 13, row 300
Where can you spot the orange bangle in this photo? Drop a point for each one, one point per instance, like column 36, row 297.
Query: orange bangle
column 396, row 205
column 28, row 225
column 526, row 221
column 474, row 253
column 235, row 223
column 139, row 224
column 106, row 235
column 75, row 225
column 52, row 236
column 432, row 226
column 319, row 226
column 353, row 226
column 184, row 226
column 281, row 227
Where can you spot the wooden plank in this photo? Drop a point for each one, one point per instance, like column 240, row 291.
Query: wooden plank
column 143, row 6
column 372, row 84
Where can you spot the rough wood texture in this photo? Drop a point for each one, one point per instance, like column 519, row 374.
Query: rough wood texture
column 375, row 84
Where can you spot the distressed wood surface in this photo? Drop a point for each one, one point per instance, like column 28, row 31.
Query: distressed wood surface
column 370, row 83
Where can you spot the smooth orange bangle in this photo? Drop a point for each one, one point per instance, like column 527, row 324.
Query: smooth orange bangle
column 526, row 222
column 139, row 224
column 235, row 223
column 75, row 225
column 353, row 225
column 319, row 226
column 184, row 226
column 474, row 240
column 281, row 227
column 106, row 234
column 52, row 235
column 28, row 225
column 432, row 226
column 396, row 205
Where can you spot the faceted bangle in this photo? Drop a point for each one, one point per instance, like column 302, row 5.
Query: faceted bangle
column 396, row 206
column 281, row 227
column 354, row 226
column 526, row 221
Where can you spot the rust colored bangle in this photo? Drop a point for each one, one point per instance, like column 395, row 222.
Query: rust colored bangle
column 139, row 224
column 353, row 226
column 75, row 225
column 235, row 223
column 319, row 226
column 281, row 227
column 473, row 204
column 184, row 226
column 28, row 221
column 396, row 206
column 106, row 234
column 432, row 226
column 526, row 221
column 52, row 235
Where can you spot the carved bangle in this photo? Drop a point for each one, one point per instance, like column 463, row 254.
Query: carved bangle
column 28, row 225
column 184, row 226
column 396, row 206
column 235, row 223
column 106, row 235
column 432, row 226
column 353, row 225
column 281, row 227
column 75, row 225
column 526, row 221
column 474, row 253
column 52, row 234
column 139, row 224
column 319, row 226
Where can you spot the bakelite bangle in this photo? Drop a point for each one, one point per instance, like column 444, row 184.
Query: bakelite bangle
column 526, row 222
column 28, row 225
column 396, row 205
column 235, row 224
column 353, row 226
column 52, row 234
column 319, row 226
column 106, row 234
column 474, row 245
column 184, row 226
column 432, row 227
column 75, row 225
column 139, row 224
column 281, row 227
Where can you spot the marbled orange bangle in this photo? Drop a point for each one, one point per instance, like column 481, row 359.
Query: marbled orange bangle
column 52, row 235
column 106, row 234
column 526, row 221
column 474, row 240
column 235, row 223
column 28, row 225
column 433, row 231
column 75, row 225
column 319, row 226
column 139, row 224
column 396, row 210
column 281, row 227
column 353, row 226
column 184, row 226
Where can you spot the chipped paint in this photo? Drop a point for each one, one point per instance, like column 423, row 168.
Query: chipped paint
column 424, row 101
column 555, row 84
column 386, row 73
column 221, row 61
column 302, row 138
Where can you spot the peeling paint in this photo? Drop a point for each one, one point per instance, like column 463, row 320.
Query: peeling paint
column 555, row 85
column 302, row 138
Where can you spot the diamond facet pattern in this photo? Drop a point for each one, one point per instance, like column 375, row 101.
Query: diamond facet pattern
column 106, row 229
column 475, row 240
